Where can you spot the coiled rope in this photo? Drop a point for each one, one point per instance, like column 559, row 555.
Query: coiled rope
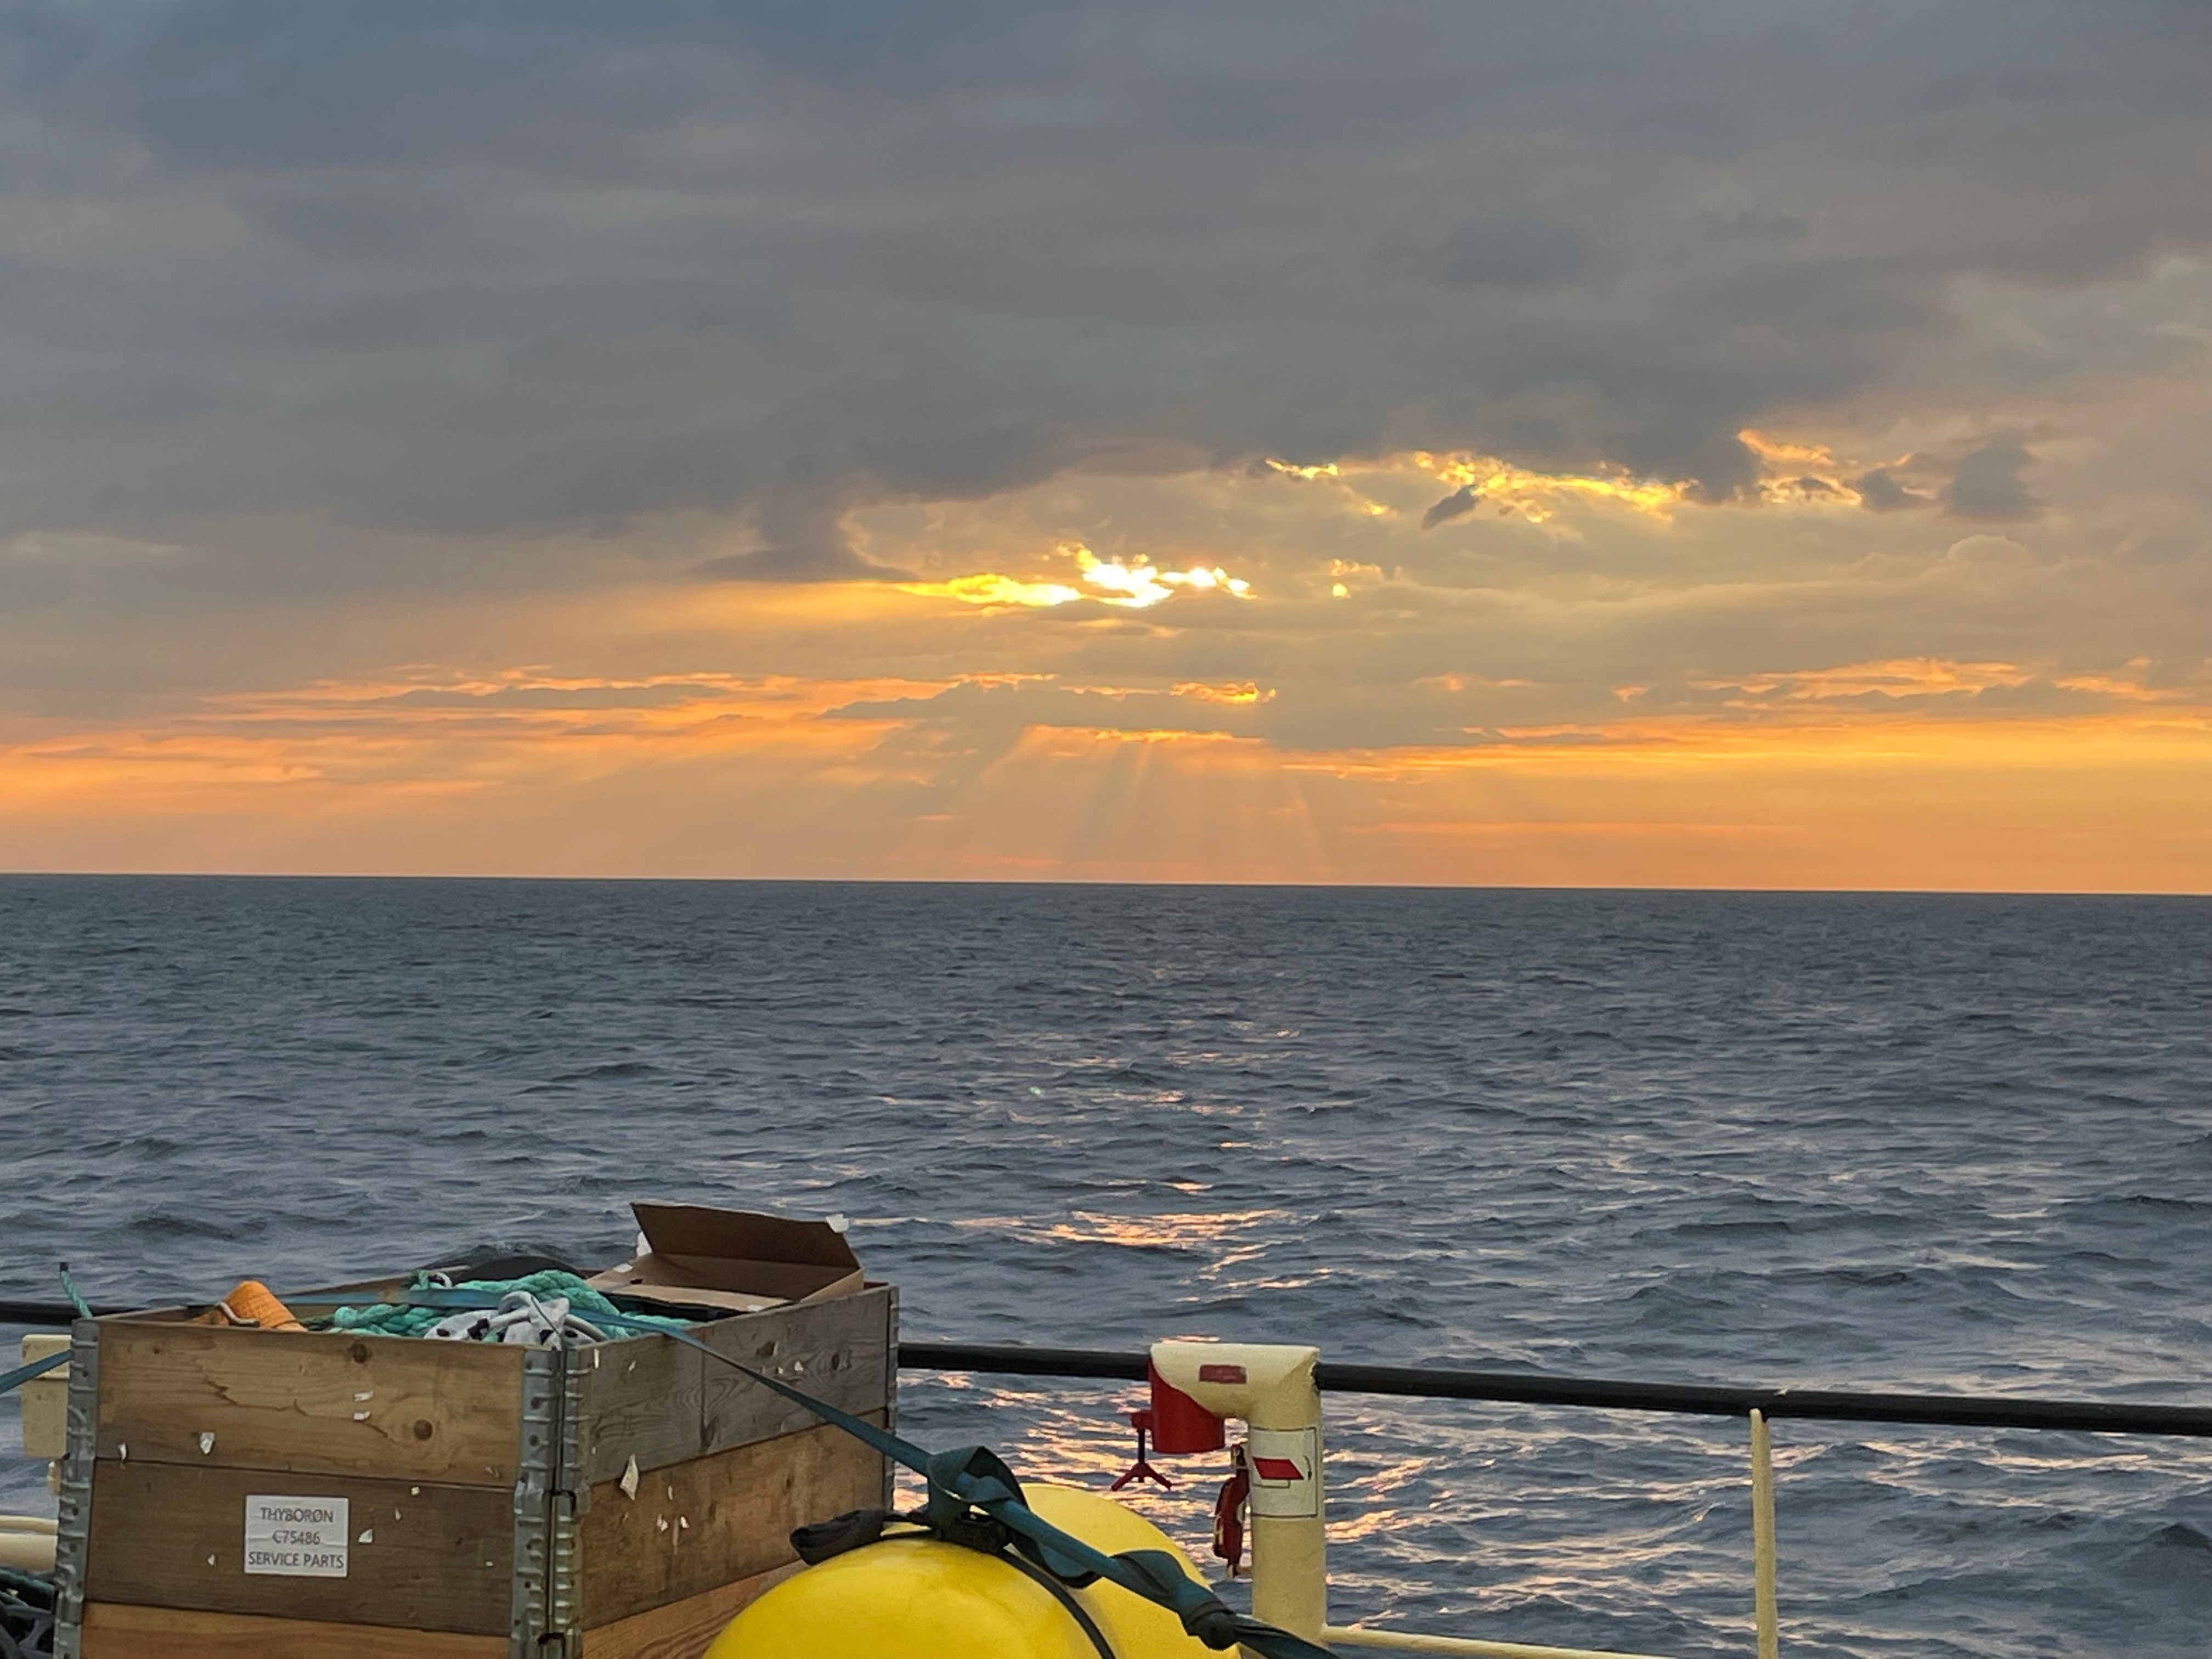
column 585, row 1307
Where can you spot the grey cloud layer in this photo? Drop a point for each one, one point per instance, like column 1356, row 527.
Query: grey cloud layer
column 497, row 269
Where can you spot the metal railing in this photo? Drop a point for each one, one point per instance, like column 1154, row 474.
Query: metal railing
column 1519, row 1387
column 1695, row 1399
column 1757, row 1405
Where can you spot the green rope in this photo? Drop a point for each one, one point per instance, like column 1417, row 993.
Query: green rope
column 400, row 1318
column 69, row 1288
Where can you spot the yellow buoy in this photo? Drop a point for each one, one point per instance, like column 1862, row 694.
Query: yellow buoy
column 915, row 1598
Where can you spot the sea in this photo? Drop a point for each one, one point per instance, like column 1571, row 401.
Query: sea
column 1884, row 1141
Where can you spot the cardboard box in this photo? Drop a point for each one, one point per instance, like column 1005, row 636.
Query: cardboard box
column 698, row 1257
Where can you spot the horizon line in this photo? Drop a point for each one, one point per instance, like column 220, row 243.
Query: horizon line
column 1103, row 881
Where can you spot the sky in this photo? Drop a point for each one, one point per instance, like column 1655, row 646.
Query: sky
column 1742, row 443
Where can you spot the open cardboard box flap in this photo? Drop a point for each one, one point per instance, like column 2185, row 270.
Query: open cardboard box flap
column 734, row 1259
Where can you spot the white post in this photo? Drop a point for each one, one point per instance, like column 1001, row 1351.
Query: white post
column 1271, row 1388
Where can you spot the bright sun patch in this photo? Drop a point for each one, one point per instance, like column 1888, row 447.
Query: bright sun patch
column 1135, row 585
column 1139, row 584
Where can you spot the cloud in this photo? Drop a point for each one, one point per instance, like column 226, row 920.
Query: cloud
column 1457, row 504
column 797, row 562
column 525, row 269
column 808, row 342
column 1892, row 681
column 1878, row 492
column 1987, row 484
column 1519, row 252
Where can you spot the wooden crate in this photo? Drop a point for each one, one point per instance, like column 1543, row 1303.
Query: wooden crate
column 483, row 1487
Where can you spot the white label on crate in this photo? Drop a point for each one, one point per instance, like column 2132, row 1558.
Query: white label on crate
column 1285, row 1466
column 297, row 1537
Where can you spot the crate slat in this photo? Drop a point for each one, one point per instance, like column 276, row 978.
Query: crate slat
column 169, row 1535
column 112, row 1631
column 727, row 1516
column 447, row 1412
column 680, row 1630
column 662, row 1403
column 834, row 1350
column 643, row 1399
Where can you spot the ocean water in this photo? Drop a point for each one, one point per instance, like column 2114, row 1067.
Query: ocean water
column 1885, row 1141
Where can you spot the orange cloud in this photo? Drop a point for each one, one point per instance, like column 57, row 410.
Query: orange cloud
column 991, row 589
column 428, row 732
column 1536, row 495
column 2127, row 685
column 1900, row 677
column 531, row 769
column 1575, row 706
column 1242, row 695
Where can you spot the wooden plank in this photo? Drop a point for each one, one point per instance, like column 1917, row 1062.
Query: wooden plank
column 114, row 1631
column 643, row 1397
column 695, row 1526
column 680, row 1630
column 170, row 1536
column 335, row 1403
column 663, row 1403
column 834, row 1350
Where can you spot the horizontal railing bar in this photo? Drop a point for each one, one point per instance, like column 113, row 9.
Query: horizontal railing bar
column 1514, row 1388
column 58, row 1315
column 44, row 1313
column 1023, row 1361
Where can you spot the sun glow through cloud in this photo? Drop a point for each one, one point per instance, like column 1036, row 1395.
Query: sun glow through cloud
column 1136, row 584
column 1535, row 496
column 1139, row 586
column 991, row 589
column 1245, row 696
column 1585, row 704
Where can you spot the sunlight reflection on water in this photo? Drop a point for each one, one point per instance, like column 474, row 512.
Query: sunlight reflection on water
column 1874, row 1139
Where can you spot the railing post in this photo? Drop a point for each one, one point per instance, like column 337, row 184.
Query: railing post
column 1271, row 1388
column 1762, row 1539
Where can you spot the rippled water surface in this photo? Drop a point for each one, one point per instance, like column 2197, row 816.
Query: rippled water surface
column 1934, row 1143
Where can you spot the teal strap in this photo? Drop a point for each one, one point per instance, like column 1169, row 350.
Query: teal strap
column 22, row 1374
column 13, row 1380
column 973, row 1477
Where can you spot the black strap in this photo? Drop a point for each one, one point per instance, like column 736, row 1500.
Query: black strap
column 850, row 1531
column 1067, row 1598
